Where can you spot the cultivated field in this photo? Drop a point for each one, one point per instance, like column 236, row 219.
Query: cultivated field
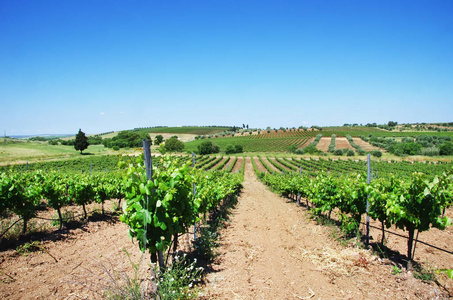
column 268, row 247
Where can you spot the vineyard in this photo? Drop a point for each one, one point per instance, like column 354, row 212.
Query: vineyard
column 82, row 181
column 415, row 203
column 264, row 141
column 162, row 198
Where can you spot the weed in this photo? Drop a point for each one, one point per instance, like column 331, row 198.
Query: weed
column 33, row 247
column 427, row 274
column 123, row 286
column 178, row 280
column 396, row 270
column 112, row 281
column 29, row 247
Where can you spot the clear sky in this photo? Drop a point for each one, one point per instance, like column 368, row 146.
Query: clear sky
column 103, row 65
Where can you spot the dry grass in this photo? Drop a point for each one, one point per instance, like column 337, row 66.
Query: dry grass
column 346, row 262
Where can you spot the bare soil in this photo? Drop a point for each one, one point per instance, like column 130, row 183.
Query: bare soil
column 238, row 164
column 323, row 144
column 258, row 163
column 271, row 249
column 69, row 264
column 342, row 143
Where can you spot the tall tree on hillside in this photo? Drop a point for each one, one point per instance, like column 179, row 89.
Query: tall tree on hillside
column 81, row 141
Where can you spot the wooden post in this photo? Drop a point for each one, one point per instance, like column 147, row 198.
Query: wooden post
column 194, row 191
column 368, row 180
column 149, row 176
column 298, row 193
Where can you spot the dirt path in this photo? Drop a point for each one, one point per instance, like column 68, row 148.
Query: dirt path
column 272, row 250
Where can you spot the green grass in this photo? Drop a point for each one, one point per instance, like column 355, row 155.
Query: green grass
column 22, row 151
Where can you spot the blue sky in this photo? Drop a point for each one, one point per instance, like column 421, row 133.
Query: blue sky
column 113, row 65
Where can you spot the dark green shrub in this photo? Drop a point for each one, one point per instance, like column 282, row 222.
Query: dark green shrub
column 229, row 149
column 338, row 152
column 376, row 153
column 361, row 151
column 207, row 147
column 311, row 149
column 174, row 145
column 446, row 148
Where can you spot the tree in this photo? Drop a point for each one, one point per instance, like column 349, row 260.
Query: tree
column 207, row 147
column 174, row 144
column 392, row 123
column 81, row 141
column 126, row 138
column 159, row 139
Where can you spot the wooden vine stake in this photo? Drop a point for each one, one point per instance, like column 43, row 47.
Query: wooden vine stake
column 298, row 192
column 149, row 176
column 194, row 190
column 368, row 181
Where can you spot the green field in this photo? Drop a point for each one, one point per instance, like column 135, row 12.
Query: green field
column 21, row 151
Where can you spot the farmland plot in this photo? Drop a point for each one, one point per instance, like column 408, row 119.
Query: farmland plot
column 324, row 143
column 342, row 143
column 272, row 250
